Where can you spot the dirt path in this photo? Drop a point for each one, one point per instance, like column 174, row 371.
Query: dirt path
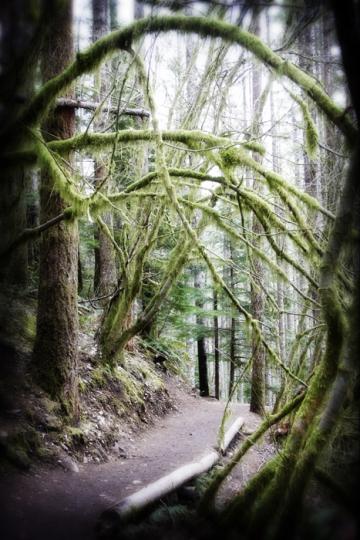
column 50, row 503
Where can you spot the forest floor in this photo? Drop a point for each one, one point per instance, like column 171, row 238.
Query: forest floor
column 47, row 502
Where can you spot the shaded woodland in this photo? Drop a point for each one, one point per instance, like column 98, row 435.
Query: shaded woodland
column 180, row 182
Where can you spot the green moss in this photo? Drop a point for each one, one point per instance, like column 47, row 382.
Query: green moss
column 76, row 434
column 311, row 132
column 134, row 376
column 255, row 147
column 131, row 386
column 17, row 322
column 82, row 386
column 233, row 157
column 218, row 220
column 49, row 405
column 205, row 26
column 148, row 375
column 29, row 326
column 22, row 447
column 98, row 376
column 62, row 181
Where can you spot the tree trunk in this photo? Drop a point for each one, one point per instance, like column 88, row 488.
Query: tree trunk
column 332, row 166
column 203, row 374
column 13, row 269
column 80, row 273
column 115, row 334
column 138, row 9
column 216, row 345
column 257, row 398
column 105, row 277
column 232, row 351
column 307, row 50
column 201, row 349
column 19, row 23
column 33, row 217
column 55, row 351
column 232, row 357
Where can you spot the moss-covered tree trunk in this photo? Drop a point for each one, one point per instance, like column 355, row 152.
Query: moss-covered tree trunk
column 105, row 277
column 216, row 344
column 257, row 398
column 232, row 356
column 112, row 348
column 307, row 52
column 55, row 351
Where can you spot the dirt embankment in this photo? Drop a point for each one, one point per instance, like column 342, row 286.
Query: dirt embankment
column 114, row 403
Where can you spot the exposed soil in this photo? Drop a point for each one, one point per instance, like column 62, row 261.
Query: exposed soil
column 58, row 504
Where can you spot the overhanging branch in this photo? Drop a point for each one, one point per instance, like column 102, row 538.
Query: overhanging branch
column 92, row 106
column 202, row 26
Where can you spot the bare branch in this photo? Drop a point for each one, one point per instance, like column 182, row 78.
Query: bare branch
column 30, row 234
column 92, row 106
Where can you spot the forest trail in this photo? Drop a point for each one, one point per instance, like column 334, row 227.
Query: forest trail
column 51, row 503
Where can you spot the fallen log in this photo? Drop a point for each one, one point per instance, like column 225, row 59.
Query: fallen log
column 130, row 507
column 230, row 434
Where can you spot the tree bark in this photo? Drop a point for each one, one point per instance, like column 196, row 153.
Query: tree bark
column 19, row 39
column 55, row 351
column 232, row 351
column 257, row 399
column 307, row 50
column 216, row 345
column 232, row 357
column 201, row 349
column 105, row 275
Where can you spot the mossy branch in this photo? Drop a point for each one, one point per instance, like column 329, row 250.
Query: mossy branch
column 207, row 501
column 231, row 154
column 96, row 141
column 340, row 361
column 63, row 183
column 233, row 157
column 311, row 132
column 122, row 39
column 104, row 227
column 237, row 512
column 165, row 177
column 216, row 217
column 280, row 252
column 307, row 416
